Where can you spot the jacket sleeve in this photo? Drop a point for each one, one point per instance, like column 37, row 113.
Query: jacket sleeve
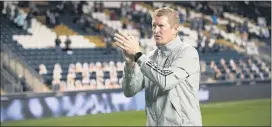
column 132, row 81
column 184, row 65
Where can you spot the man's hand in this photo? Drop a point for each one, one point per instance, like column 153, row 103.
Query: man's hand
column 129, row 46
column 128, row 43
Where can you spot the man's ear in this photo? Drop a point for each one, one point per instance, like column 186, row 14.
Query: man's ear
column 176, row 28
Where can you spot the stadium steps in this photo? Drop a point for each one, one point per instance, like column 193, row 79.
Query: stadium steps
column 230, row 45
column 107, row 12
column 25, row 9
column 147, row 6
column 63, row 30
column 97, row 40
column 41, row 19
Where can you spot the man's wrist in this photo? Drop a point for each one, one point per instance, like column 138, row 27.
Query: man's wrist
column 130, row 64
column 129, row 69
column 137, row 56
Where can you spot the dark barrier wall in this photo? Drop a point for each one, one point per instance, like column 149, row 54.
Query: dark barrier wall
column 227, row 93
column 29, row 106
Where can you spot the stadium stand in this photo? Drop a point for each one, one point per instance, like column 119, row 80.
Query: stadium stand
column 92, row 62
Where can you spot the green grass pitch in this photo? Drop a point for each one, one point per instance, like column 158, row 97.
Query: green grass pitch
column 235, row 113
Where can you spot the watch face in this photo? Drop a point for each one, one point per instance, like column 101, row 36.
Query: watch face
column 137, row 56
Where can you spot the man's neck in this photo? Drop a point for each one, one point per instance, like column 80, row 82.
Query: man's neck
column 167, row 42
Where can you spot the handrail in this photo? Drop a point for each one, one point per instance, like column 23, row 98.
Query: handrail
column 32, row 78
column 8, row 76
column 4, row 47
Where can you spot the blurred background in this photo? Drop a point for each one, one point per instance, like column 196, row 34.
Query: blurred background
column 58, row 60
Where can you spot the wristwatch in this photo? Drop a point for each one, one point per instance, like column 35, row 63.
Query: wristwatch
column 137, row 56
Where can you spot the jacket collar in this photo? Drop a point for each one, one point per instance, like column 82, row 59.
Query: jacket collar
column 172, row 45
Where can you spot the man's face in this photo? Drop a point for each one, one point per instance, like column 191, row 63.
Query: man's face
column 162, row 30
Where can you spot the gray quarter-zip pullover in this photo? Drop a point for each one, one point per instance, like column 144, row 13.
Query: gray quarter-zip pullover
column 170, row 76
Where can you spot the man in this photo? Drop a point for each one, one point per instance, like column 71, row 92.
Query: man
column 57, row 44
column 28, row 19
column 68, row 43
column 169, row 74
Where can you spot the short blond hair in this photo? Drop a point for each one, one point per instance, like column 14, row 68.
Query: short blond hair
column 170, row 13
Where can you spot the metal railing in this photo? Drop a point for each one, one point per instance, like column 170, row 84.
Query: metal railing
column 13, row 82
column 21, row 69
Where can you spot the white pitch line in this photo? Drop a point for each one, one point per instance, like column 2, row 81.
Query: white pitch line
column 222, row 104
